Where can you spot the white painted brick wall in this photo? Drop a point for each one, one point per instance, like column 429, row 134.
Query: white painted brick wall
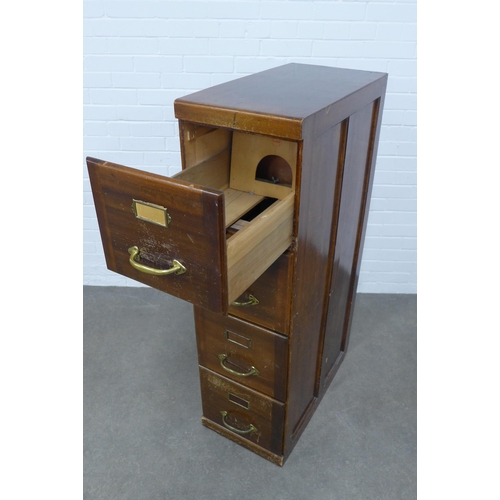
column 139, row 55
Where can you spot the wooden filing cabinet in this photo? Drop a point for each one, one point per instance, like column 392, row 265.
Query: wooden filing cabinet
column 262, row 231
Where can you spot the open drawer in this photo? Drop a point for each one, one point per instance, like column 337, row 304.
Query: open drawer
column 198, row 235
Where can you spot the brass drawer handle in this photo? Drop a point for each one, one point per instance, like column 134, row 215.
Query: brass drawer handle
column 252, row 301
column 251, row 429
column 177, row 268
column 253, row 370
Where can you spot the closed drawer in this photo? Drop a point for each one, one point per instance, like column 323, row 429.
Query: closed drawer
column 267, row 301
column 242, row 352
column 243, row 412
column 170, row 233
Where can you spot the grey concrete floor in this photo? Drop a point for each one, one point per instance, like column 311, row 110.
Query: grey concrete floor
column 143, row 438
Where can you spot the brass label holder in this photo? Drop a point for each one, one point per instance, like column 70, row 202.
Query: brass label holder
column 149, row 212
column 238, row 401
column 236, row 338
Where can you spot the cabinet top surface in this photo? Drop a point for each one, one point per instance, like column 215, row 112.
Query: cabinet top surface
column 294, row 91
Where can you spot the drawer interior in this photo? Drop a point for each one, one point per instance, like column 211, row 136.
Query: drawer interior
column 248, row 168
column 257, row 175
column 204, row 235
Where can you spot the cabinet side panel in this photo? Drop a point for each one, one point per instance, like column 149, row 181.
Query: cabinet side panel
column 363, row 222
column 355, row 191
column 317, row 193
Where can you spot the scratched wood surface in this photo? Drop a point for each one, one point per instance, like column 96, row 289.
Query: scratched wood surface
column 195, row 236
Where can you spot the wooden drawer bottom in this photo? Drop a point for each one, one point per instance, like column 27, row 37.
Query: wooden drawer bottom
column 242, row 414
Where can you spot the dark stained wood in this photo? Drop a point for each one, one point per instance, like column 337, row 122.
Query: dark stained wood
column 272, row 102
column 354, row 179
column 333, row 242
column 195, row 236
column 273, row 291
column 284, row 128
column 363, row 221
column 313, row 244
column 350, row 105
column 245, row 346
column 333, row 115
column 330, row 110
column 264, row 413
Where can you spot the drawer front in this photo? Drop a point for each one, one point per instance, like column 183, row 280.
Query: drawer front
column 245, row 353
column 150, row 223
column 245, row 413
column 267, row 301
